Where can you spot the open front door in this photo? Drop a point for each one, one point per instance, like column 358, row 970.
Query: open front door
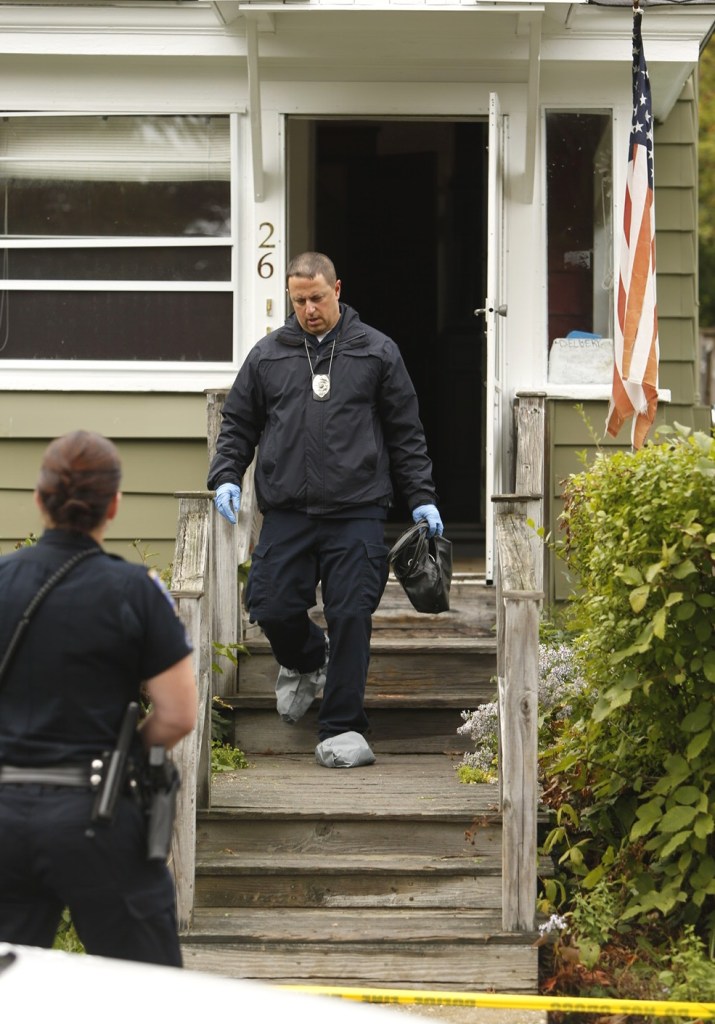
column 494, row 312
column 418, row 187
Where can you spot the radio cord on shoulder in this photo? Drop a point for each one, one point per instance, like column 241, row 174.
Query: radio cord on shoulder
column 41, row 594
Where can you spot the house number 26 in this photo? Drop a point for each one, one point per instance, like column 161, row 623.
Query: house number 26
column 265, row 266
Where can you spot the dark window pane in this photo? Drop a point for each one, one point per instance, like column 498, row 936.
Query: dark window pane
column 124, row 208
column 116, row 175
column 579, row 218
column 205, row 263
column 166, row 326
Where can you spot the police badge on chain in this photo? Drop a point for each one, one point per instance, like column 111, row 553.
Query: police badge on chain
column 320, row 382
column 321, row 387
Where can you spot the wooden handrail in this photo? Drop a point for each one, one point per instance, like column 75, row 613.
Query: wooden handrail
column 530, row 414
column 205, row 587
column 190, row 587
column 518, row 609
column 519, row 580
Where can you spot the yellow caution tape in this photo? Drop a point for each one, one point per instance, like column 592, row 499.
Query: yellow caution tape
column 568, row 1004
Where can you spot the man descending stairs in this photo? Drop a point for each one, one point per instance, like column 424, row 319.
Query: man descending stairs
column 388, row 875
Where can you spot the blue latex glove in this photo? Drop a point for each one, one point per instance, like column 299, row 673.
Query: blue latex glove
column 228, row 501
column 430, row 514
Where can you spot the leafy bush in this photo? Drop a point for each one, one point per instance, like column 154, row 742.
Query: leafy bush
column 633, row 777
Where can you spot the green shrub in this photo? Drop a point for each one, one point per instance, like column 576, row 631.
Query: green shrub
column 636, row 766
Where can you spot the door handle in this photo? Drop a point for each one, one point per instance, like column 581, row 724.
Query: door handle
column 501, row 310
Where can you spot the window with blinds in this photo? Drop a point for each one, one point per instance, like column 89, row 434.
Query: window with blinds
column 117, row 240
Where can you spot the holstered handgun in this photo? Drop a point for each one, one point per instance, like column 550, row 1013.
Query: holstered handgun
column 163, row 783
column 114, row 774
column 155, row 785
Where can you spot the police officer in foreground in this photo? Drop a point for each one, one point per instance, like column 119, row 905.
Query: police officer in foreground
column 103, row 634
column 329, row 404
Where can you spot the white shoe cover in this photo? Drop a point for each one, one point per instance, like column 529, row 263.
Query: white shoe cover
column 294, row 694
column 296, row 691
column 348, row 750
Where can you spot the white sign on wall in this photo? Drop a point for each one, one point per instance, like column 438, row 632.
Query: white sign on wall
column 581, row 360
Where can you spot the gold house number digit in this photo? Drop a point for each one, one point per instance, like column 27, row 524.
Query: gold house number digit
column 265, row 266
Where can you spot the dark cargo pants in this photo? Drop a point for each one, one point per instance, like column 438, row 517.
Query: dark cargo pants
column 121, row 905
column 348, row 557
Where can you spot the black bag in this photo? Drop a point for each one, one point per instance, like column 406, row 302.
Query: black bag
column 423, row 565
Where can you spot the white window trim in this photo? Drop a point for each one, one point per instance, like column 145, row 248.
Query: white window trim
column 112, row 285
column 114, row 242
column 128, row 375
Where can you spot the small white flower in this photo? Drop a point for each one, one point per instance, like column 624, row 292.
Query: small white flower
column 556, row 923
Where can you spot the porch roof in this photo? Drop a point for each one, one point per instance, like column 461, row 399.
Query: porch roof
column 472, row 41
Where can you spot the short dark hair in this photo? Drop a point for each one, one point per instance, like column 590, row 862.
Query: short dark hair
column 310, row 264
column 79, row 477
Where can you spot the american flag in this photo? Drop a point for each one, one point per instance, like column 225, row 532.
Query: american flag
column 635, row 370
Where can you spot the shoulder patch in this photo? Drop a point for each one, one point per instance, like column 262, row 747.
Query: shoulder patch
column 160, row 585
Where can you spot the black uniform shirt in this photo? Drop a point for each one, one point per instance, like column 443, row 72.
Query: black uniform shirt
column 99, row 634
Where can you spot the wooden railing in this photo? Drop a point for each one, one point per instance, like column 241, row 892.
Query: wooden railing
column 519, row 581
column 208, row 552
column 205, row 587
column 192, row 593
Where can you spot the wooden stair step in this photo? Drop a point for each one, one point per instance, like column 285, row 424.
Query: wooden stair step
column 378, row 927
column 472, row 612
column 470, row 615
column 409, row 645
column 395, row 727
column 466, row 588
column 455, row 669
column 457, row 966
column 400, row 938
column 448, row 696
column 397, row 786
column 230, row 863
column 223, row 829
column 382, row 884
column 377, row 880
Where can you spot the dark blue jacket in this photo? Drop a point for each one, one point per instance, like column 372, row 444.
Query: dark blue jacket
column 326, row 457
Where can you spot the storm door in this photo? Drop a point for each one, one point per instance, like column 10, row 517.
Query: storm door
column 493, row 313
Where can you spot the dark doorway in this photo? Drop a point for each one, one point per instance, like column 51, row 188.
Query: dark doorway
column 400, row 206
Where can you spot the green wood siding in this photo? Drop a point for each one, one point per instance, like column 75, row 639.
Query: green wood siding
column 675, row 210
column 677, row 339
column 162, row 442
column 48, row 414
column 675, row 165
column 676, row 253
